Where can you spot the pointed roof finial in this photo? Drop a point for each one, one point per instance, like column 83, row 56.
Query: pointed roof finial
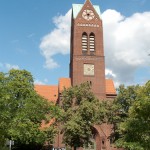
column 87, row 1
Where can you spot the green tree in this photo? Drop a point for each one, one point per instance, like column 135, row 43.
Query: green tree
column 22, row 110
column 135, row 129
column 80, row 111
column 129, row 114
column 118, row 110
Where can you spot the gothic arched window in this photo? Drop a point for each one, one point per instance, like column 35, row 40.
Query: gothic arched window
column 84, row 42
column 92, row 42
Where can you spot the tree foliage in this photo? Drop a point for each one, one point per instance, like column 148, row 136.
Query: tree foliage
column 22, row 110
column 136, row 128
column 131, row 117
column 119, row 108
column 80, row 111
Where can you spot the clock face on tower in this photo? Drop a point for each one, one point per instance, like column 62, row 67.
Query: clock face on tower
column 88, row 14
column 89, row 69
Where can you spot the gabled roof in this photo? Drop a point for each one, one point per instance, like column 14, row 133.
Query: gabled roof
column 64, row 83
column 51, row 92
column 76, row 8
column 48, row 92
column 110, row 88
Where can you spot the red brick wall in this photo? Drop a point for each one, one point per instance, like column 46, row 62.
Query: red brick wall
column 77, row 59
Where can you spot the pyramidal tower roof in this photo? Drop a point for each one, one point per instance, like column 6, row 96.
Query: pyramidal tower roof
column 76, row 8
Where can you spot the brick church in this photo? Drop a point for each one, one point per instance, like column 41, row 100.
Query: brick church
column 87, row 63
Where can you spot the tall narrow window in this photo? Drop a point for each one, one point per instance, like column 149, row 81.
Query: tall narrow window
column 103, row 144
column 92, row 42
column 84, row 42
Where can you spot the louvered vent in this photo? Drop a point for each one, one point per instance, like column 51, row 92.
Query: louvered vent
column 84, row 42
column 92, row 42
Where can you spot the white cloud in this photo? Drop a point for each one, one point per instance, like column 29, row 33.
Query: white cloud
column 126, row 43
column 38, row 82
column 109, row 73
column 7, row 66
column 57, row 41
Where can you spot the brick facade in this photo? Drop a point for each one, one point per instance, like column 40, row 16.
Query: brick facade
column 78, row 58
column 101, row 87
column 80, row 25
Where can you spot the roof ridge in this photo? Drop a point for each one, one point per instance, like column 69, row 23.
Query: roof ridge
column 46, row 85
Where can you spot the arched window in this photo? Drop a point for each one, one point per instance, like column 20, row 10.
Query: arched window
column 84, row 42
column 92, row 42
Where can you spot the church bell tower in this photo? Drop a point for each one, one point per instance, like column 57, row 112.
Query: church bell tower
column 87, row 62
